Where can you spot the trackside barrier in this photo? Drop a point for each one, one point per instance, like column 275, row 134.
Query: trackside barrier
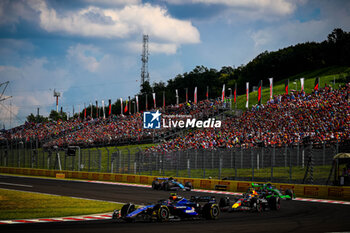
column 300, row 190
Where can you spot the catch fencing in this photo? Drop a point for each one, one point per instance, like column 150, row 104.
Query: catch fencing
column 309, row 164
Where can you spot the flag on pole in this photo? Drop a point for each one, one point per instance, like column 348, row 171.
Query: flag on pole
column 316, row 84
column 129, row 106
column 137, row 103
column 207, row 94
column 163, row 99
column 247, row 95
column 103, row 109
column 195, row 95
column 235, row 93
column 109, row 107
column 84, row 111
column 121, row 106
column 223, row 93
column 302, row 84
column 177, row 97
column 126, row 106
column 91, row 109
column 96, row 109
column 154, row 100
column 271, row 87
column 146, row 102
column 186, row 95
column 286, row 86
column 259, row 92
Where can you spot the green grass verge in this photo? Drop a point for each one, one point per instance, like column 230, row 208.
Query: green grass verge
column 26, row 205
column 326, row 75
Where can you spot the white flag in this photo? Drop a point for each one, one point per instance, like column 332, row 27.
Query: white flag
column 223, row 93
column 271, row 87
column 302, row 84
column 121, row 106
column 247, row 94
column 103, row 109
column 154, row 100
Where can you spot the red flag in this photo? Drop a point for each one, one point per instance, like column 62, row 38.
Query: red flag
column 207, row 94
column 109, row 107
column 316, row 85
column 126, row 106
column 286, row 86
column 84, row 112
column 259, row 92
column 235, row 93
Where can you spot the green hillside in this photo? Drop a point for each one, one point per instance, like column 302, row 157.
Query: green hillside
column 327, row 75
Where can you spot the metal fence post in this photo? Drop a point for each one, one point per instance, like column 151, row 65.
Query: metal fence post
column 290, row 166
column 252, row 162
column 188, row 165
column 89, row 160
column 298, row 151
column 99, row 160
column 324, row 153
column 177, row 163
column 241, row 157
column 129, row 158
column 220, row 163
column 262, row 157
column 107, row 169
column 203, row 155
column 273, row 160
column 285, row 155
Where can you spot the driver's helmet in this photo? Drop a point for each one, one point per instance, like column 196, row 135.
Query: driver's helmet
column 269, row 185
column 175, row 198
column 253, row 192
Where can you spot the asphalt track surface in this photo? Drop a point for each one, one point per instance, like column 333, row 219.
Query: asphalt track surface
column 294, row 216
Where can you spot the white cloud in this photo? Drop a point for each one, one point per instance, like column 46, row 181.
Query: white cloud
column 113, row 3
column 84, row 56
column 278, row 7
column 118, row 23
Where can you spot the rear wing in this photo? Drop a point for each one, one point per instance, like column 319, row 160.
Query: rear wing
column 203, row 199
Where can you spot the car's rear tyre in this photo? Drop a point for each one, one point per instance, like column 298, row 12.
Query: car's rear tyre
column 211, row 211
column 189, row 185
column 224, row 201
column 259, row 207
column 274, row 203
column 155, row 185
column 163, row 214
column 127, row 209
column 289, row 192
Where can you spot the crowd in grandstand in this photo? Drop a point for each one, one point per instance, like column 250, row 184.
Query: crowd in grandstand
column 114, row 130
column 322, row 117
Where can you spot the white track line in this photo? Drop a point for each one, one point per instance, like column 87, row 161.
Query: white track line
column 20, row 185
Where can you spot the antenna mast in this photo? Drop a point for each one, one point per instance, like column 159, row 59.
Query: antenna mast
column 144, row 59
column 56, row 94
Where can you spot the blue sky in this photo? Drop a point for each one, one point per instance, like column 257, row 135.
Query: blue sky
column 90, row 49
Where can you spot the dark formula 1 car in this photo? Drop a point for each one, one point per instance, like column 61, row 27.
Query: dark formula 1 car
column 175, row 208
column 251, row 201
column 170, row 184
column 270, row 190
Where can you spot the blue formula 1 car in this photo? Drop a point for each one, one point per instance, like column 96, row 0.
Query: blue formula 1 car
column 170, row 184
column 175, row 208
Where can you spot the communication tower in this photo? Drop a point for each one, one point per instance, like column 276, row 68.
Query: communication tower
column 144, row 59
column 56, row 94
